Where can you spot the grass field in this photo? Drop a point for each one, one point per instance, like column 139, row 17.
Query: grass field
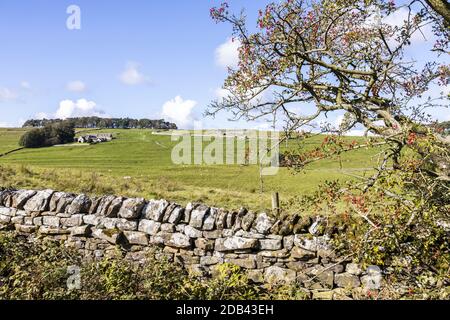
column 138, row 163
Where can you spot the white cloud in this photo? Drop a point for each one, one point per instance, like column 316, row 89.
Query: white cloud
column 227, row 54
column 42, row 115
column 25, row 85
column 132, row 75
column 80, row 108
column 76, row 86
column 179, row 111
column 221, row 93
column 7, row 94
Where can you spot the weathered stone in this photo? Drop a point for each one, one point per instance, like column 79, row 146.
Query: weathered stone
column 187, row 259
column 47, row 230
column 149, row 226
column 159, row 239
column 353, row 268
column 168, row 212
column 280, row 254
column 168, row 227
column 336, row 268
column 210, row 260
column 28, row 220
column 302, row 225
column 347, row 280
column 61, row 215
column 278, row 275
column 248, row 220
column 45, row 214
column 179, row 240
column 322, row 295
column 180, row 228
column 126, row 225
column 136, row 237
column 187, row 212
column 114, row 207
column 256, row 276
column 246, row 263
column 24, row 228
column 80, row 204
column 154, row 210
column 131, row 208
column 326, row 279
column 39, row 202
column 91, row 219
column 298, row 266
column 4, row 219
column 326, row 252
column 246, row 234
column 192, row 232
column 287, row 225
column 235, row 243
column 107, row 223
column 270, row 244
column 204, row 244
column 231, row 219
column 196, row 270
column 4, row 194
column 210, row 220
column 312, row 243
column 276, row 227
column 51, row 221
column 176, row 215
column 60, row 202
column 221, row 220
column 22, row 213
column 240, row 215
column 11, row 212
column 228, row 233
column 342, row 294
column 263, row 223
column 198, row 216
column 112, row 236
column 288, row 242
column 94, row 205
column 215, row 234
column 73, row 221
column 38, row 221
column 18, row 220
column 81, row 231
column 20, row 198
column 104, row 204
column 302, row 254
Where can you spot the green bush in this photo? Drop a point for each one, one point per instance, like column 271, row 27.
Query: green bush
column 51, row 134
column 39, row 270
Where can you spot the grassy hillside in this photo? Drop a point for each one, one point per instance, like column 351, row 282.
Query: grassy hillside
column 9, row 139
column 138, row 163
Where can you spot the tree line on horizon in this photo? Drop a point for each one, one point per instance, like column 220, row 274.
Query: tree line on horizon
column 107, row 123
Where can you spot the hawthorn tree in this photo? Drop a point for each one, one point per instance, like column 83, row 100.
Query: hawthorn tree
column 347, row 56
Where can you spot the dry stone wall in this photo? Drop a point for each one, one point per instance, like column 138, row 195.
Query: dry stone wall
column 197, row 236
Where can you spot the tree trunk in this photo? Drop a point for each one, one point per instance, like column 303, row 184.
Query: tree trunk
column 442, row 7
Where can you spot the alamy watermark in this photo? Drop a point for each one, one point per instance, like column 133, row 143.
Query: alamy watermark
column 73, row 22
column 74, row 280
column 228, row 147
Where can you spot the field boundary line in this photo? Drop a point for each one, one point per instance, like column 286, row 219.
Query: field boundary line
column 11, row 151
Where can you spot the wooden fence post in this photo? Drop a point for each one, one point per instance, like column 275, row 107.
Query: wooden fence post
column 276, row 202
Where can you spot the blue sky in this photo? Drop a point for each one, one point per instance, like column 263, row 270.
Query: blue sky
column 140, row 58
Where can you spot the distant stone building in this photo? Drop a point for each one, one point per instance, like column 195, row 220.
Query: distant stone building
column 95, row 138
